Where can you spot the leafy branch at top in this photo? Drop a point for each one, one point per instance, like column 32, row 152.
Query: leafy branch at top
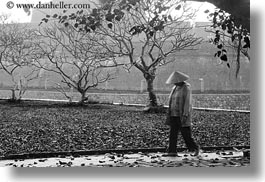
column 229, row 33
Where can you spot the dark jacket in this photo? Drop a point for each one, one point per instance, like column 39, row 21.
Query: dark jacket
column 185, row 102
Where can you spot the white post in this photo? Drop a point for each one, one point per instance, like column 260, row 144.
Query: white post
column 202, row 84
column 106, row 85
column 226, row 85
column 71, row 92
column 142, row 86
column 240, row 83
column 19, row 83
column 45, row 83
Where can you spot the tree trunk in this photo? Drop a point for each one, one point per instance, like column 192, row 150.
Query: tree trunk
column 13, row 94
column 83, row 97
column 150, row 89
column 21, row 93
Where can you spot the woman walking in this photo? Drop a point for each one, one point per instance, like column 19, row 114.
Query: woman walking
column 179, row 113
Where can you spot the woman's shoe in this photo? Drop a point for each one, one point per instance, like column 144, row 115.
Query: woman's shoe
column 197, row 152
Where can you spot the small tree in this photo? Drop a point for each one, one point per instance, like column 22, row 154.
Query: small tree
column 238, row 9
column 146, row 32
column 229, row 33
column 17, row 53
column 74, row 56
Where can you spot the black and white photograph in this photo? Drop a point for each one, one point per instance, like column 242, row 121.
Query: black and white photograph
column 125, row 83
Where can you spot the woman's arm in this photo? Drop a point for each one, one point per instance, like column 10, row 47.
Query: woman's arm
column 187, row 101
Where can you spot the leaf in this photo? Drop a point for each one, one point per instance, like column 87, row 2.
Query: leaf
column 233, row 37
column 109, row 17
column 42, row 160
column 219, row 53
column 116, row 11
column 76, row 25
column 129, row 8
column 246, row 46
column 229, row 31
column 48, row 16
column 215, row 54
column 132, row 29
column 160, row 26
column 151, row 33
column 247, row 41
column 87, row 29
column 223, row 26
column 93, row 27
column 94, row 12
column 223, row 57
column 170, row 18
column 211, row 14
column 61, row 21
column 206, row 11
column 72, row 16
column 44, row 19
column 220, row 46
column 64, row 17
column 55, row 16
column 178, row 7
column 110, row 25
column 118, row 18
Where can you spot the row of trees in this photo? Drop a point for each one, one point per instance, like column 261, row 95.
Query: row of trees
column 27, row 53
column 81, row 47
column 17, row 50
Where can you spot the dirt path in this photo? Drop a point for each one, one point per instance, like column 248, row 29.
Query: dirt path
column 219, row 159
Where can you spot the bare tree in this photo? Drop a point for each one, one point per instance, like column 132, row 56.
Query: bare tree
column 238, row 9
column 74, row 56
column 17, row 53
column 145, row 32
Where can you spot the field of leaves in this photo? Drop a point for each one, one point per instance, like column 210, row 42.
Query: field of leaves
column 31, row 127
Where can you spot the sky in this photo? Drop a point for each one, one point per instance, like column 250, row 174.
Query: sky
column 18, row 15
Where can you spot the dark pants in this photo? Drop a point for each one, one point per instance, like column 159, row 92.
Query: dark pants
column 175, row 127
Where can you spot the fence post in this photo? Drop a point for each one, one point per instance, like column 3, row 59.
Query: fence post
column 106, row 85
column 45, row 83
column 142, row 86
column 202, row 84
column 240, row 83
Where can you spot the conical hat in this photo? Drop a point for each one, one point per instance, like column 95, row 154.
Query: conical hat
column 177, row 77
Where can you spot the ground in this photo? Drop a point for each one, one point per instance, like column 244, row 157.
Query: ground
column 205, row 159
column 34, row 127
